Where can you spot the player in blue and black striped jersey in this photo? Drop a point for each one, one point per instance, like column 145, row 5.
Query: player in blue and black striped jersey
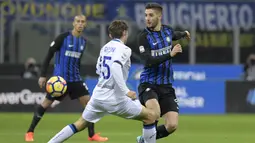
column 155, row 89
column 68, row 48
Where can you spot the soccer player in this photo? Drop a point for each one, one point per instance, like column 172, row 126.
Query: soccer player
column 155, row 46
column 111, row 94
column 68, row 49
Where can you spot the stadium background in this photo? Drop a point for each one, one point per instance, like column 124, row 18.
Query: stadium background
column 210, row 78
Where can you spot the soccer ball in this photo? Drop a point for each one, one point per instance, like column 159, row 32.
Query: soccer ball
column 56, row 86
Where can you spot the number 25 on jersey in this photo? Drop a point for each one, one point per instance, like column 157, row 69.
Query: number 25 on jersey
column 104, row 67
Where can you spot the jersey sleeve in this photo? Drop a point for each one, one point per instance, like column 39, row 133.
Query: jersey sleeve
column 177, row 34
column 117, row 74
column 145, row 53
column 54, row 46
column 119, row 61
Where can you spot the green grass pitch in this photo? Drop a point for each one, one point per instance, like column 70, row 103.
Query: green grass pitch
column 192, row 128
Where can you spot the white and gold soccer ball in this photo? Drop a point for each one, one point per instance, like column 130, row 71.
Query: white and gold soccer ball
column 56, row 86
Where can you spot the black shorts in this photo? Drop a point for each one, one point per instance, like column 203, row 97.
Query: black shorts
column 74, row 90
column 165, row 94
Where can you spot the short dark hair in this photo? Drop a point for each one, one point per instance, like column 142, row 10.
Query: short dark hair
column 154, row 6
column 117, row 27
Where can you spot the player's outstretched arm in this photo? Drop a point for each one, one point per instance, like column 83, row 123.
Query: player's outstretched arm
column 116, row 70
column 119, row 61
column 145, row 53
column 54, row 46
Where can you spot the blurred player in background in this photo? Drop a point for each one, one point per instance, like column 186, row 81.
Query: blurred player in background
column 155, row 46
column 111, row 94
column 68, row 49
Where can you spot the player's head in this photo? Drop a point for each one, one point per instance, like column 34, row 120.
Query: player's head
column 153, row 14
column 118, row 29
column 79, row 23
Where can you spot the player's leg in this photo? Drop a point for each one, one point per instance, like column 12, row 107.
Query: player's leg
column 149, row 98
column 79, row 90
column 171, row 124
column 84, row 100
column 132, row 109
column 151, row 104
column 38, row 114
column 89, row 115
column 91, row 127
column 69, row 131
column 169, row 111
column 148, row 117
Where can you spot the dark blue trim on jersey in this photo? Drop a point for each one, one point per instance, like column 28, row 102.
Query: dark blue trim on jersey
column 63, row 71
column 71, row 59
column 116, row 61
column 167, row 63
column 69, row 41
column 161, row 66
column 77, row 76
column 57, row 57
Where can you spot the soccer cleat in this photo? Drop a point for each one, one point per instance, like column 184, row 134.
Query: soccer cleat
column 29, row 137
column 140, row 139
column 98, row 138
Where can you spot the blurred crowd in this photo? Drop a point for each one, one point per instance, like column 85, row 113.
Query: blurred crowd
column 31, row 69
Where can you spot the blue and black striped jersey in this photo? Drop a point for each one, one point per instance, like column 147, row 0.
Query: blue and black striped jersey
column 155, row 48
column 68, row 51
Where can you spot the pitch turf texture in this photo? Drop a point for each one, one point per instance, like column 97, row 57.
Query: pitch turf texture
column 192, row 128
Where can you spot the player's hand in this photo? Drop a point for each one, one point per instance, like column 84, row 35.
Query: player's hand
column 188, row 35
column 132, row 95
column 177, row 49
column 42, row 81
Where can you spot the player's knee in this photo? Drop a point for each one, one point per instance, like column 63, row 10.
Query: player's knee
column 171, row 127
column 154, row 108
column 151, row 117
column 157, row 112
column 155, row 115
column 154, row 112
